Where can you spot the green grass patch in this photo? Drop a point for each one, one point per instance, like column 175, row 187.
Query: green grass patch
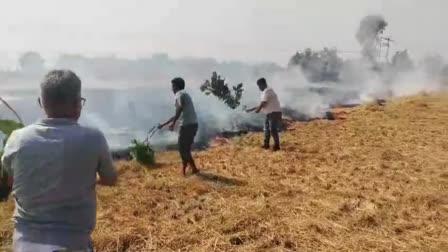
column 7, row 127
column 142, row 152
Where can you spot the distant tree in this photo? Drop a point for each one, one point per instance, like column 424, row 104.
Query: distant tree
column 401, row 61
column 433, row 64
column 444, row 78
column 318, row 66
column 435, row 68
column 32, row 62
column 220, row 89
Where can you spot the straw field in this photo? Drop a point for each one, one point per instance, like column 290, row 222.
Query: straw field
column 376, row 181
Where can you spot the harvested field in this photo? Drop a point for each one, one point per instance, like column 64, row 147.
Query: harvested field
column 376, row 181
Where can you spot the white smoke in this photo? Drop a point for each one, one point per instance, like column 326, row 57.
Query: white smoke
column 127, row 97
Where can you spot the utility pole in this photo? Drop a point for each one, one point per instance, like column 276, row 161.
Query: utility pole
column 387, row 45
column 380, row 46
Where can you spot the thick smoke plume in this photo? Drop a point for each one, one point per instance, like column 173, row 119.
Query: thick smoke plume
column 126, row 97
column 368, row 35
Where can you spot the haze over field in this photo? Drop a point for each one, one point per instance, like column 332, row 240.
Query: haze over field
column 127, row 52
column 373, row 179
column 252, row 30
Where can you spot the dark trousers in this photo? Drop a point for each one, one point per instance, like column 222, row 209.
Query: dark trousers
column 271, row 128
column 186, row 139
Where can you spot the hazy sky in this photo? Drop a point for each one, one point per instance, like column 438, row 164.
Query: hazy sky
column 250, row 30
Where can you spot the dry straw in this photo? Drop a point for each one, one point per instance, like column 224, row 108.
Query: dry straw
column 377, row 181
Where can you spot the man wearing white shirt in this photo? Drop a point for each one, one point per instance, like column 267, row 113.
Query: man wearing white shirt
column 270, row 105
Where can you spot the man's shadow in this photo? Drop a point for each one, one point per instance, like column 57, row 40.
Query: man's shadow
column 210, row 177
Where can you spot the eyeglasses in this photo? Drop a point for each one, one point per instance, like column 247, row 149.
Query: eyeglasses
column 83, row 101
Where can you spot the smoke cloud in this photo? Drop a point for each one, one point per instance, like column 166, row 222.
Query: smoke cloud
column 127, row 97
column 370, row 28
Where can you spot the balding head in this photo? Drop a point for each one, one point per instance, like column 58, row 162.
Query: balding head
column 61, row 94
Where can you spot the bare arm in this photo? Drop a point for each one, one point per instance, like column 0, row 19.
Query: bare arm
column 172, row 121
column 5, row 186
column 107, row 172
column 5, row 178
column 176, row 116
column 258, row 108
column 6, row 171
column 10, row 181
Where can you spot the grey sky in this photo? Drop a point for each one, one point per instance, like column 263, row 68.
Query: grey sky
column 250, row 30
